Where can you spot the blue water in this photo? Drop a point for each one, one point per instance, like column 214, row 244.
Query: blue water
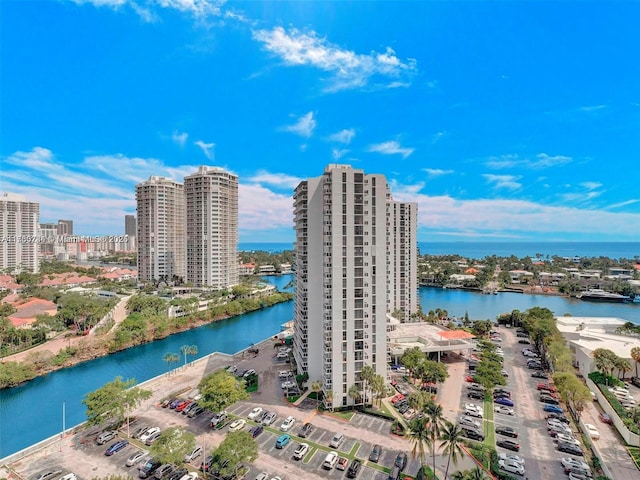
column 41, row 399
column 477, row 250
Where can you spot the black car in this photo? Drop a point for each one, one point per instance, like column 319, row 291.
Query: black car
column 524, row 341
column 139, row 431
column 502, row 390
column 559, row 416
column 255, row 431
column 635, row 381
column 548, row 399
column 305, row 430
column 522, row 335
column 404, row 408
column 535, row 366
column 354, row 468
column 507, row 431
column 472, row 434
column 475, row 394
column 374, row 456
column 149, row 468
column 401, row 460
column 205, row 466
column 194, row 412
column 509, row 445
column 570, row 448
column 178, row 474
column 501, row 395
column 540, row 374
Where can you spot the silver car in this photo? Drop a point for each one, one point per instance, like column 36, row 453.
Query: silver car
column 136, row 457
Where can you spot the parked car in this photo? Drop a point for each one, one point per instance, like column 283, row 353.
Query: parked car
column 69, row 476
column 301, row 451
column 592, row 431
column 116, row 447
column 540, row 374
column 511, row 467
column 288, row 385
column 354, row 468
column 287, row 423
column 580, row 475
column 149, row 468
column 512, row 457
column 476, row 395
column 306, row 429
column 254, row 413
column 282, row 441
column 552, row 408
column 194, row 412
column 604, row 418
column 472, row 433
column 104, row 437
column 232, row 369
column 139, row 431
column 635, row 381
column 47, row 474
column 561, row 417
column 549, row 400
column 509, row 445
column 178, row 474
column 571, row 448
column 237, row 425
column 285, row 374
column 164, row 471
column 207, row 463
column 503, row 401
column 182, row 405
column 342, row 463
column 468, row 421
column 269, row 418
column 566, row 438
column 569, row 463
column 218, row 418
column 136, row 457
column 524, row 341
column 195, row 453
column 248, row 373
column 152, row 438
column 374, row 456
column 255, row 431
column 330, row 460
column 546, row 386
column 507, row 431
column 504, row 410
column 336, row 441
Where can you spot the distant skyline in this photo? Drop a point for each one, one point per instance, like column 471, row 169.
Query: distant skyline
column 504, row 121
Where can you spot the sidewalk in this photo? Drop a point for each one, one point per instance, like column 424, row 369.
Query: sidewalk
column 610, row 447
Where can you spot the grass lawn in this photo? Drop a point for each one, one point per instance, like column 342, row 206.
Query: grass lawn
column 347, row 415
column 635, row 454
column 489, row 427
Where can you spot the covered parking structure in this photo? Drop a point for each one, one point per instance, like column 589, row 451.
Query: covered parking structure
column 428, row 338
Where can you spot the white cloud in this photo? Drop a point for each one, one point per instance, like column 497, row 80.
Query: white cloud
column 591, row 185
column 544, row 161
column 275, row 179
column 509, row 182
column 592, row 108
column 438, row 136
column 623, row 204
column 348, row 69
column 179, row 138
column 337, row 154
column 38, row 158
column 512, row 160
column 145, row 8
column 207, row 148
column 390, row 148
column 438, row 172
column 343, row 136
column 303, row 127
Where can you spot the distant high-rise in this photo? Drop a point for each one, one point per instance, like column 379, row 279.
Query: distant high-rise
column 212, row 227
column 161, row 229
column 356, row 254
column 130, row 225
column 19, row 228
column 48, row 233
column 65, row 227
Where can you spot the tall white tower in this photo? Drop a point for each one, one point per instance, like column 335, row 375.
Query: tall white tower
column 212, row 227
column 161, row 229
column 354, row 265
column 19, row 231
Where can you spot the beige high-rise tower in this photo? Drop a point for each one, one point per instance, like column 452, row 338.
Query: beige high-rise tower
column 161, row 230
column 356, row 254
column 212, row 227
column 19, row 232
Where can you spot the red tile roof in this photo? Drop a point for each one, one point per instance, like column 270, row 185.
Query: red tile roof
column 455, row 335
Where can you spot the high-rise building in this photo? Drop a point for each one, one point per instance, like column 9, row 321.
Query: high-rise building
column 65, row 227
column 130, row 225
column 161, row 230
column 356, row 251
column 19, row 226
column 48, row 233
column 212, row 227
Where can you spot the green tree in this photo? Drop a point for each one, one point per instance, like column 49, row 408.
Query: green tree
column 236, row 449
column 115, row 399
column 221, row 389
column 433, row 412
column 433, row 372
column 635, row 355
column 172, row 445
column 411, row 359
column 354, row 394
column 451, row 443
column 188, row 350
column 481, row 328
column 367, row 375
column 378, row 387
column 171, row 358
column 420, row 439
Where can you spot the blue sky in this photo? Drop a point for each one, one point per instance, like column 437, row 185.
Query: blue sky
column 505, row 121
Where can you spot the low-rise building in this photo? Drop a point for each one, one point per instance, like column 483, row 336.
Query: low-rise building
column 28, row 310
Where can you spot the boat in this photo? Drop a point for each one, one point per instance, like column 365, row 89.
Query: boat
column 599, row 295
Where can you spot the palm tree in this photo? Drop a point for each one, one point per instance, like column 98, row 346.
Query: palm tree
column 451, row 443
column 433, row 411
column 635, row 355
column 458, row 475
column 193, row 350
column 328, row 398
column 170, row 358
column 315, row 387
column 623, row 365
column 476, row 474
column 420, row 438
column 366, row 375
column 354, row 394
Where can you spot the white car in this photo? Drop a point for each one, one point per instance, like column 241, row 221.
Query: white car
column 287, row 424
column 568, row 462
column 288, row 384
column 285, row 374
column 237, row 425
column 563, row 437
column 232, row 369
column 262, row 476
column 254, row 413
column 190, row 476
column 511, row 467
column 330, row 460
column 69, row 476
column 301, row 451
column 152, row 431
column 504, row 410
column 619, row 390
column 593, row 431
column 195, row 453
column 511, row 457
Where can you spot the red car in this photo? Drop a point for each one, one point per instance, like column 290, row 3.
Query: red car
column 397, row 398
column 545, row 386
column 468, row 378
column 604, row 418
column 182, row 405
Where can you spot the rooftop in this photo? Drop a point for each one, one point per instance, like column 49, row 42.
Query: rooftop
column 427, row 337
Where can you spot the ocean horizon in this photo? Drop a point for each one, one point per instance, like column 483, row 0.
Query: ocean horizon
column 478, row 250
